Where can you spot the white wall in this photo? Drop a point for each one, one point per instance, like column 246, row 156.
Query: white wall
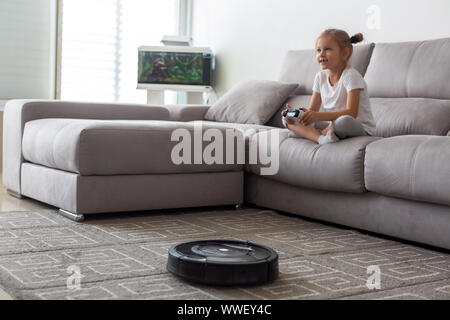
column 250, row 37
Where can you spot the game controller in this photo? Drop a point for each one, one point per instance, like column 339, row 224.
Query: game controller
column 293, row 114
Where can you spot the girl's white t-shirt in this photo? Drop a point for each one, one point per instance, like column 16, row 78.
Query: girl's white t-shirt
column 334, row 98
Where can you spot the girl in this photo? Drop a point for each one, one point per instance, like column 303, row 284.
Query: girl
column 339, row 94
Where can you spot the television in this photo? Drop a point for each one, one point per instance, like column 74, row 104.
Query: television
column 181, row 68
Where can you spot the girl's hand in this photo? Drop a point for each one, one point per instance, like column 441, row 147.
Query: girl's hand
column 288, row 106
column 288, row 121
column 309, row 117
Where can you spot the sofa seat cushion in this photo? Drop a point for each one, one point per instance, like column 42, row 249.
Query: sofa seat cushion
column 246, row 129
column 111, row 147
column 412, row 167
column 333, row 167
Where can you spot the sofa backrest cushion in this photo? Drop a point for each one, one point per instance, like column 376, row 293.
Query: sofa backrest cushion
column 410, row 69
column 400, row 116
column 300, row 66
column 394, row 116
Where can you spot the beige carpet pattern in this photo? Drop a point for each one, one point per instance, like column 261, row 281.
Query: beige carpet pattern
column 123, row 256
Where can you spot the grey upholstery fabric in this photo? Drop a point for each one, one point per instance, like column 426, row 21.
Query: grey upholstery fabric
column 412, row 167
column 252, row 102
column 386, row 75
column 96, row 147
column 394, row 116
column 412, row 220
column 399, row 116
column 335, row 167
column 18, row 112
column 96, row 194
column 187, row 112
column 246, row 129
column 429, row 72
column 300, row 66
column 410, row 69
column 55, row 187
column 362, row 53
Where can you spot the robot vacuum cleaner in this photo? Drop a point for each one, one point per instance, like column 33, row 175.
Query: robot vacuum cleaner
column 223, row 262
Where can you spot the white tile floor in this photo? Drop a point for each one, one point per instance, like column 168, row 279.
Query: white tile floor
column 8, row 203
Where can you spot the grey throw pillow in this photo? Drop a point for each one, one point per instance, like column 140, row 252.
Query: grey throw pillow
column 251, row 101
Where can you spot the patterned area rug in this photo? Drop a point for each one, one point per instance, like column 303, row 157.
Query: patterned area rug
column 124, row 256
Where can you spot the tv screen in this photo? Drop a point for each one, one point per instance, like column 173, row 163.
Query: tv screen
column 172, row 67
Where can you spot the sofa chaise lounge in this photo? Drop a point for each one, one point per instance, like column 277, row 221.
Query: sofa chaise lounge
column 90, row 158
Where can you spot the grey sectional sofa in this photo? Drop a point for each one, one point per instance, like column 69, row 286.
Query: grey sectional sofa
column 92, row 158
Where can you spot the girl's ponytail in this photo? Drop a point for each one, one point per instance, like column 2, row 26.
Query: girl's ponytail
column 356, row 38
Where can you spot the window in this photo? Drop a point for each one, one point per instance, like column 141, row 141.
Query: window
column 99, row 46
column 27, row 49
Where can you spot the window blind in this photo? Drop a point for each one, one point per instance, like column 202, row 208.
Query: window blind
column 27, row 49
column 99, row 46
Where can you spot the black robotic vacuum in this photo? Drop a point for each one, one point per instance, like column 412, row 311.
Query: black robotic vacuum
column 223, row 262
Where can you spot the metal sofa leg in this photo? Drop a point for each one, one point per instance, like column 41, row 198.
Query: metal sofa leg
column 14, row 194
column 238, row 206
column 77, row 217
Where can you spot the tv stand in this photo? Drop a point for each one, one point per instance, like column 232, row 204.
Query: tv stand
column 156, row 97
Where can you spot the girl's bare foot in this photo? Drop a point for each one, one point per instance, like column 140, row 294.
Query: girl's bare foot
column 330, row 137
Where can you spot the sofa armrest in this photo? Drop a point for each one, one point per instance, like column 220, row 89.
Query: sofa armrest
column 187, row 112
column 18, row 112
